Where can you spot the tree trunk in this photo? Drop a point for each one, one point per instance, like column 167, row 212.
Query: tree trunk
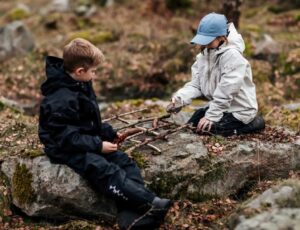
column 231, row 8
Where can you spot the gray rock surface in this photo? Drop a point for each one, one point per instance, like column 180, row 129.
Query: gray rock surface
column 267, row 48
column 278, row 219
column 15, row 40
column 270, row 196
column 57, row 191
column 276, row 208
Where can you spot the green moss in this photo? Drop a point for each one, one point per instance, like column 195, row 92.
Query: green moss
column 248, row 49
column 1, row 106
column 5, row 199
column 163, row 184
column 17, row 14
column 293, row 201
column 139, row 159
column 32, row 153
column 79, row 225
column 21, row 184
column 95, row 37
column 276, row 9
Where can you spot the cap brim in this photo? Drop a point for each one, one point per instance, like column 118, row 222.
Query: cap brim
column 202, row 40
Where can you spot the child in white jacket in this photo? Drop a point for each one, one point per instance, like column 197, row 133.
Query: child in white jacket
column 223, row 76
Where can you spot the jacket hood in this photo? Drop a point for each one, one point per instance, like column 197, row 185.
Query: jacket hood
column 56, row 76
column 235, row 41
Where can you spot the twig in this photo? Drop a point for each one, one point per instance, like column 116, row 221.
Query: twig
column 160, row 136
column 123, row 120
column 124, row 114
column 270, row 112
column 147, row 130
column 143, row 121
column 150, row 145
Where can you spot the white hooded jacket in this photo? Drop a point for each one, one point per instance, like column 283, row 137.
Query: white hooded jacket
column 224, row 77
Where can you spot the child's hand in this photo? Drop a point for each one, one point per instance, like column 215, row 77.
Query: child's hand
column 119, row 138
column 203, row 124
column 108, row 147
column 174, row 106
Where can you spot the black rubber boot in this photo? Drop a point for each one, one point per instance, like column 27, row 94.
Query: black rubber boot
column 130, row 220
column 160, row 208
column 257, row 124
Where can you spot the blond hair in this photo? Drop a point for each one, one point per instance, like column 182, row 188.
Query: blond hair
column 81, row 53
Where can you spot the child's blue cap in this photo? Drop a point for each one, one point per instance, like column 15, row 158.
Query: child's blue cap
column 210, row 27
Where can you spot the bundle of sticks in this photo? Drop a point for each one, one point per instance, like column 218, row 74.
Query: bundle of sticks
column 131, row 130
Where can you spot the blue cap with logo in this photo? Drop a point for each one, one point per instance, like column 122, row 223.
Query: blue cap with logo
column 210, row 27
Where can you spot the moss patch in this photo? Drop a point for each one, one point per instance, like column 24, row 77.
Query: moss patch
column 17, row 14
column 163, row 184
column 139, row 158
column 96, row 37
column 293, row 201
column 21, row 183
column 5, row 199
column 79, row 225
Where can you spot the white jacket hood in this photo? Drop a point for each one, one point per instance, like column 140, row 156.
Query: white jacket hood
column 235, row 41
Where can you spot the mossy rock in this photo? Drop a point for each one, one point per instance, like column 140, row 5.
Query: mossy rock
column 21, row 185
column 291, row 201
column 5, row 198
column 163, row 184
column 95, row 37
column 17, row 14
column 79, row 225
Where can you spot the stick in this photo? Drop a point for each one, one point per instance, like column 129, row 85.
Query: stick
column 143, row 121
column 147, row 130
column 124, row 114
column 148, row 140
column 150, row 145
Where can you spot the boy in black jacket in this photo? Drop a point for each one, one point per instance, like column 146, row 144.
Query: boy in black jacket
column 71, row 130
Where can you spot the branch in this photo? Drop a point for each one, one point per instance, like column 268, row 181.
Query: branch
column 160, row 136
column 149, row 130
column 124, row 114
column 143, row 121
column 150, row 145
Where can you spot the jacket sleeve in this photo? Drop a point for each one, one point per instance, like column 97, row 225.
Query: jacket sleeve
column 67, row 134
column 232, row 77
column 107, row 132
column 191, row 89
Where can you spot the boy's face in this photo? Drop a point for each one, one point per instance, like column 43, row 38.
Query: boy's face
column 80, row 74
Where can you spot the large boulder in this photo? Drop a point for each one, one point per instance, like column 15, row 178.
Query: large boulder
column 15, row 39
column 267, row 49
column 276, row 208
column 54, row 191
column 184, row 168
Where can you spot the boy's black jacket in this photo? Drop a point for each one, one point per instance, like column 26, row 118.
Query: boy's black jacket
column 70, row 119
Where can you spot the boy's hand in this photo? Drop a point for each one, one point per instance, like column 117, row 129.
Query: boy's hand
column 108, row 147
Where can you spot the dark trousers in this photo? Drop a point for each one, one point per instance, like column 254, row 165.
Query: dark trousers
column 228, row 125
column 115, row 175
